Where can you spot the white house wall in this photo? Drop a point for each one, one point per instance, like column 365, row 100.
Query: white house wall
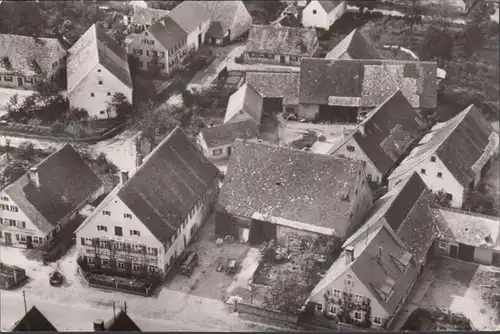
column 360, row 204
column 192, row 39
column 308, row 111
column 96, row 105
column 135, row 44
column 317, row 20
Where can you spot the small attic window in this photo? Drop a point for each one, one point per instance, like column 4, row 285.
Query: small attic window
column 315, row 11
column 99, row 70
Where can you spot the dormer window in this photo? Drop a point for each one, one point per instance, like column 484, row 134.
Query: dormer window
column 34, row 66
column 385, row 290
column 402, row 260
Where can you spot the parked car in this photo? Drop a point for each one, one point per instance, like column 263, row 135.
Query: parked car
column 56, row 278
column 189, row 264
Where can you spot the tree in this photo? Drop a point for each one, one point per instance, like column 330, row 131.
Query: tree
column 46, row 88
column 287, row 294
column 414, row 17
column 474, row 37
column 155, row 121
column 26, row 151
column 437, row 44
column 14, row 171
column 119, row 103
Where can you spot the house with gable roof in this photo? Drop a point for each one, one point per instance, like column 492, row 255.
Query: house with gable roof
column 36, row 206
column 26, row 59
column 120, row 322
column 97, row 68
column 381, row 262
column 161, row 47
column 273, row 192
column 382, row 138
column 194, row 19
column 322, row 13
column 244, row 104
column 147, row 221
column 275, row 44
column 453, row 156
column 229, row 20
column 33, row 321
column 343, row 89
column 353, row 46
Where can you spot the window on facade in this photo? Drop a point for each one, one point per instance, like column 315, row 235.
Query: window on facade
column 90, row 260
column 358, row 298
column 100, row 82
column 135, row 232
column 319, row 307
column 294, row 58
column 22, row 224
column 377, row 320
column 349, row 282
column 118, row 231
column 8, row 78
column 135, row 266
column 433, row 159
column 350, row 148
column 54, row 64
column 23, row 237
column 217, row 151
column 314, row 11
column 127, row 215
column 102, row 228
column 108, row 94
column 439, row 174
column 14, row 208
column 28, row 80
column 161, row 54
column 102, row 112
column 422, row 171
column 138, row 52
column 4, row 198
column 106, row 213
column 92, row 94
column 105, row 262
column 120, row 265
column 161, row 66
column 449, row 196
column 336, row 293
column 12, row 222
column 357, row 315
column 333, row 309
column 99, row 70
column 443, row 245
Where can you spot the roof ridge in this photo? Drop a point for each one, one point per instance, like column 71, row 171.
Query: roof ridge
column 468, row 213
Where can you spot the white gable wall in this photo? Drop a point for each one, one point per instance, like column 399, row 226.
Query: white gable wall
column 140, row 50
column 96, row 105
column 192, row 39
column 315, row 16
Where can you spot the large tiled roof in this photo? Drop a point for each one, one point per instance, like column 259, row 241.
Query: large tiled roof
column 95, row 47
column 34, row 321
column 65, row 183
column 167, row 32
column 189, row 15
column 356, row 46
column 276, row 85
column 459, row 143
column 289, row 184
column 226, row 133
column 468, row 228
column 172, row 179
column 19, row 52
column 407, row 211
column 224, row 12
column 366, row 83
column 147, row 16
column 276, row 39
column 386, row 132
column 329, row 5
column 376, row 273
column 245, row 100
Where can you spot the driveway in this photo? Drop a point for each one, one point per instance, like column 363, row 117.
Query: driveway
column 458, row 286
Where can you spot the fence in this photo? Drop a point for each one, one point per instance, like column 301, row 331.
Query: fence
column 265, row 313
column 10, row 276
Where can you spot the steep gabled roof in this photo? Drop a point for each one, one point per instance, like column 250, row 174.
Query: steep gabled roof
column 366, row 83
column 329, row 5
column 244, row 100
column 356, row 46
column 65, row 183
column 283, row 85
column 386, row 132
column 147, row 16
column 463, row 143
column 167, row 32
column 189, row 15
column 225, row 13
column 168, row 184
column 225, row 134
column 122, row 323
column 277, row 39
column 34, row 321
column 290, row 185
column 22, row 52
column 95, row 47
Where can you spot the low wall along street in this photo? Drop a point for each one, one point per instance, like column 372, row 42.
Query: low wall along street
column 264, row 313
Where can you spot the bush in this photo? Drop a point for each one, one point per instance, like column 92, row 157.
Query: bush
column 239, row 59
column 26, row 151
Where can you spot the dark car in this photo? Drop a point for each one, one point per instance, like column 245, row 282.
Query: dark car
column 56, row 278
column 189, row 263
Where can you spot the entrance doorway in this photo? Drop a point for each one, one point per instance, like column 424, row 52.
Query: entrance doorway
column 20, row 82
column 453, row 251
column 229, row 150
column 29, row 242
column 8, row 239
column 282, row 59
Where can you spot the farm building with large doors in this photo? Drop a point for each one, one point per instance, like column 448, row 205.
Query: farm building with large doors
column 468, row 236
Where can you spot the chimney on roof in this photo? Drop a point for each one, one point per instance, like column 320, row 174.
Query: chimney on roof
column 349, row 254
column 379, row 255
column 138, row 153
column 99, row 325
column 34, row 176
column 123, row 177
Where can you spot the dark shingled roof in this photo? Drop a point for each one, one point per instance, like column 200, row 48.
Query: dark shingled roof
column 458, row 143
column 167, row 32
column 277, row 39
column 407, row 210
column 289, row 184
column 168, row 184
column 34, row 321
column 226, row 133
column 189, row 15
column 276, row 85
column 366, row 83
column 356, row 46
column 147, row 16
column 225, row 13
column 122, row 323
column 65, row 183
column 329, row 5
column 386, row 132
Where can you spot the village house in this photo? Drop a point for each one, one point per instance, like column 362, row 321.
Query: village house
column 381, row 262
column 25, row 60
column 147, row 221
column 383, row 137
column 33, row 321
column 216, row 141
column 161, row 47
column 194, row 19
column 453, row 156
column 272, row 192
column 229, row 20
column 97, row 69
column 353, row 46
column 468, row 236
column 36, row 206
column 143, row 18
column 322, row 14
column 244, row 104
column 279, row 90
column 275, row 44
column 345, row 89
column 120, row 322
